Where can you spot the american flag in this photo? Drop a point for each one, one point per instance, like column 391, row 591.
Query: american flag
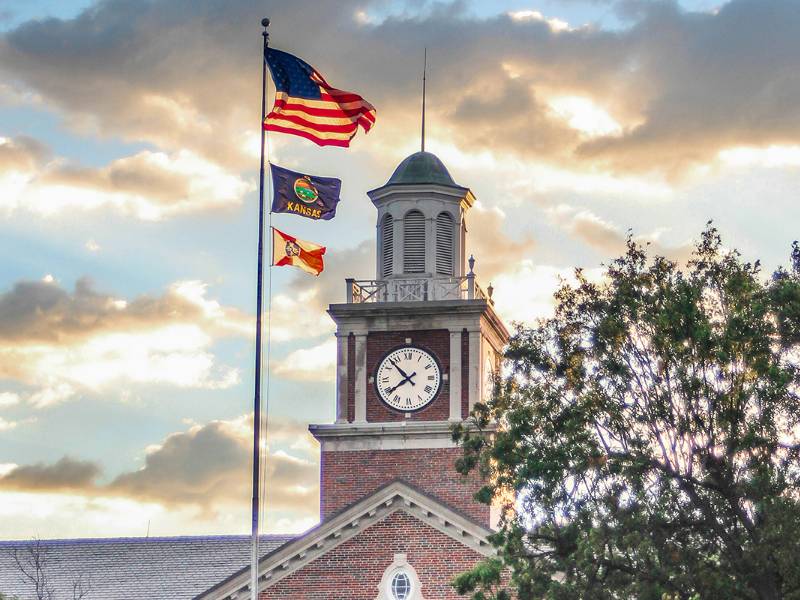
column 306, row 105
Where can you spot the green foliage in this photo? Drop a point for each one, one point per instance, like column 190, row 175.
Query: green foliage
column 649, row 434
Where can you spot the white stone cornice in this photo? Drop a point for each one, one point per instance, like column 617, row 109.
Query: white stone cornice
column 400, row 435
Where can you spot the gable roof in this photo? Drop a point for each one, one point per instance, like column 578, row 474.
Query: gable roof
column 164, row 568
column 340, row 527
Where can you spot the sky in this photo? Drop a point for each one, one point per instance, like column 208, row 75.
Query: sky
column 129, row 139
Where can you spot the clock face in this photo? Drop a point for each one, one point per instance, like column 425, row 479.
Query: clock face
column 408, row 378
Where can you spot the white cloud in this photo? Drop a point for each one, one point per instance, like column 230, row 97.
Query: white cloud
column 24, row 515
column 585, row 115
column 148, row 185
column 172, row 354
column 526, row 293
column 301, row 314
column 556, row 25
column 8, row 399
column 5, row 425
column 92, row 246
column 309, row 364
column 525, row 177
column 54, row 393
column 62, row 344
column 771, row 156
column 609, row 239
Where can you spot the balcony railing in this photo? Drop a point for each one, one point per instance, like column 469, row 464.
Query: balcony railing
column 415, row 289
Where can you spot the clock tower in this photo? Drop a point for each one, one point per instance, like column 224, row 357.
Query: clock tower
column 416, row 349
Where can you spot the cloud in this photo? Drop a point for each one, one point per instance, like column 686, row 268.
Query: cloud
column 494, row 250
column 21, row 154
column 598, row 233
column 767, row 157
column 5, row 424
column 317, row 363
column 556, row 25
column 8, row 399
column 610, row 240
column 205, row 467
column 209, row 464
column 179, row 75
column 148, row 185
column 62, row 342
column 708, row 82
column 65, row 474
column 43, row 311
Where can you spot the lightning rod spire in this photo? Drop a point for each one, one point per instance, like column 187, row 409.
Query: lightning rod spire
column 424, row 72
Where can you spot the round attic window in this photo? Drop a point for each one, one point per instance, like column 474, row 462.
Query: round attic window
column 401, row 586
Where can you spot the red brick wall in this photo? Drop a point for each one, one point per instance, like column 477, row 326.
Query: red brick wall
column 348, row 476
column 353, row 570
column 436, row 341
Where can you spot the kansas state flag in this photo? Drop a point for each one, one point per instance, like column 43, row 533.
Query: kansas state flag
column 304, row 195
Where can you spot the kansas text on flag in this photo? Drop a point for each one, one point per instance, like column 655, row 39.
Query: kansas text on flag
column 304, row 195
column 288, row 250
column 307, row 106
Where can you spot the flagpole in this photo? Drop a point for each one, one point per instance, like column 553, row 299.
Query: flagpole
column 259, row 310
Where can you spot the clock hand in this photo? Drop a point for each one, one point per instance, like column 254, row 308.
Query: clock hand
column 406, row 380
column 390, row 390
column 396, row 366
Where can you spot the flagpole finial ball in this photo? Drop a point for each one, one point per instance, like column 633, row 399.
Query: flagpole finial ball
column 265, row 22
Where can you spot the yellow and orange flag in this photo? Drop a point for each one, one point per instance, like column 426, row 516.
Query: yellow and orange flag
column 288, row 250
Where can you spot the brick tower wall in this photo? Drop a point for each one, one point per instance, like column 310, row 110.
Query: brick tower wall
column 348, row 476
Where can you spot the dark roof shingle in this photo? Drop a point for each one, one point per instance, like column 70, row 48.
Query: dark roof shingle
column 169, row 568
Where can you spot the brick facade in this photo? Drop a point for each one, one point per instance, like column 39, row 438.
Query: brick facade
column 353, row 570
column 435, row 341
column 348, row 476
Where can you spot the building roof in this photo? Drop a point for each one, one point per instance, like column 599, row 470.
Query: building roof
column 422, row 167
column 168, row 568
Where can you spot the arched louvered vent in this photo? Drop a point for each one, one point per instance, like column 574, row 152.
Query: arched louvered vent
column 414, row 242
column 387, row 246
column 444, row 244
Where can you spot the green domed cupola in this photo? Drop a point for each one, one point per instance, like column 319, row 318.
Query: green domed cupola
column 422, row 168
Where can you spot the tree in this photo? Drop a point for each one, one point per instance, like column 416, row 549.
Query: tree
column 32, row 564
column 648, row 432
